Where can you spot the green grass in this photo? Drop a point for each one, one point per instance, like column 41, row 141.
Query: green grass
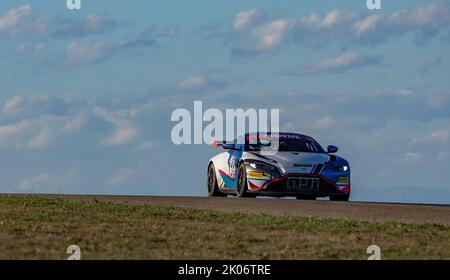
column 41, row 228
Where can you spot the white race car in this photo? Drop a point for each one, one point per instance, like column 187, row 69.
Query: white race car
column 299, row 167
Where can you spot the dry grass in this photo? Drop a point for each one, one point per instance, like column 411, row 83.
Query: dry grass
column 40, row 228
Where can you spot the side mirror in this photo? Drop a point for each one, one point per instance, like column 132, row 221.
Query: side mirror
column 332, row 149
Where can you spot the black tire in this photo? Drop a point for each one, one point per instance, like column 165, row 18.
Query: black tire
column 211, row 183
column 341, row 197
column 242, row 189
column 306, row 197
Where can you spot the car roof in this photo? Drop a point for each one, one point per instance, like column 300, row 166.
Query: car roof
column 281, row 133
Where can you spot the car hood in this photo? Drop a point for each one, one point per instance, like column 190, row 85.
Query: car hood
column 295, row 162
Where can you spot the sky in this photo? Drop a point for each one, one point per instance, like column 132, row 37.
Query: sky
column 86, row 95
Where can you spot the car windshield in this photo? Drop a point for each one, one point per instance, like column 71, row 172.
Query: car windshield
column 287, row 142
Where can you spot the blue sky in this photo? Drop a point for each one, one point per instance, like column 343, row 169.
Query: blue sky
column 86, row 96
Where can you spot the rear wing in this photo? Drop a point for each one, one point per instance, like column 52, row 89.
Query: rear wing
column 218, row 144
column 224, row 144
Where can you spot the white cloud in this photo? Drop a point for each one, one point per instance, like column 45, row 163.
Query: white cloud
column 79, row 54
column 10, row 22
column 401, row 92
column 96, row 52
column 244, row 18
column 32, row 183
column 18, row 104
column 335, row 17
column 76, row 27
column 423, row 17
column 443, row 155
column 39, row 121
column 434, row 12
column 21, row 48
column 12, row 104
column 193, row 82
column 21, row 20
column 74, row 124
column 147, row 145
column 7, row 131
column 332, row 64
column 341, row 63
column 38, row 49
column 431, row 140
column 170, row 31
column 124, row 132
column 367, row 24
column 40, row 140
column 331, row 21
column 272, row 34
column 26, row 134
column 438, row 101
column 323, row 123
column 440, row 135
column 427, row 66
column 120, row 177
column 93, row 21
column 344, row 27
column 412, row 156
column 42, row 182
column 32, row 122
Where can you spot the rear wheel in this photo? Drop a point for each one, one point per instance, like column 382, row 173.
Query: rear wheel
column 306, row 197
column 341, row 197
column 213, row 187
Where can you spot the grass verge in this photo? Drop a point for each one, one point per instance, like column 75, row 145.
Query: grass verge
column 41, row 228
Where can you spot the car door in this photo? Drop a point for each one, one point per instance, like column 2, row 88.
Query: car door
column 234, row 156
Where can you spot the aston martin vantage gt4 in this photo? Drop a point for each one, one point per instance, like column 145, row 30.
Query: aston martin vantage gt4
column 296, row 166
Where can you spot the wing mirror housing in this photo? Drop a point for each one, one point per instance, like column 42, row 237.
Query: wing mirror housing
column 332, row 149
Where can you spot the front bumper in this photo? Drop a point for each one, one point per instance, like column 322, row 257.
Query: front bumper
column 279, row 186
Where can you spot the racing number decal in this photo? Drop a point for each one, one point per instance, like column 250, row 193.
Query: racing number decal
column 232, row 166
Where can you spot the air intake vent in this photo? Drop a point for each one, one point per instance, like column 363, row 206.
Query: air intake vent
column 318, row 168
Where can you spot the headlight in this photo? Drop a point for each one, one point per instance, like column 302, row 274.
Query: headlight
column 261, row 166
column 342, row 168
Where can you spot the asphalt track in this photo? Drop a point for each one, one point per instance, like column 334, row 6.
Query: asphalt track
column 381, row 212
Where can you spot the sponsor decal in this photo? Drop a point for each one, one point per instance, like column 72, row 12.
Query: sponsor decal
column 344, row 180
column 256, row 174
column 255, row 137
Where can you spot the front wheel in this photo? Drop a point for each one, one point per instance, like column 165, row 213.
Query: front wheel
column 242, row 189
column 213, row 188
column 341, row 197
